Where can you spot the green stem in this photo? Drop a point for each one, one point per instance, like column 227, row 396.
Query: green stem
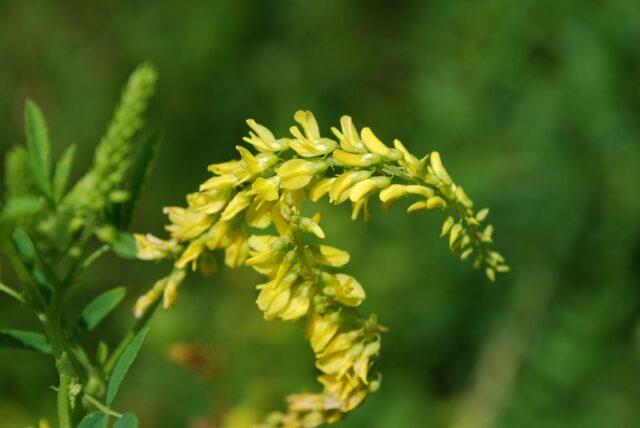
column 11, row 292
column 104, row 409
column 64, row 362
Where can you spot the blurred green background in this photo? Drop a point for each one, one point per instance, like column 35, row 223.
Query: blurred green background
column 535, row 107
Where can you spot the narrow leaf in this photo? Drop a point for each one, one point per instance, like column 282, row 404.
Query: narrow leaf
column 140, row 172
column 38, row 143
column 93, row 420
column 128, row 420
column 95, row 312
column 123, row 364
column 124, row 245
column 21, row 339
column 61, row 175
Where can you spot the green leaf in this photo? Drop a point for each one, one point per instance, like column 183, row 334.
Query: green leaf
column 140, row 171
column 93, row 420
column 18, row 179
column 128, row 420
column 38, row 143
column 63, row 169
column 18, row 208
column 95, row 312
column 123, row 364
column 124, row 245
column 27, row 252
column 21, row 339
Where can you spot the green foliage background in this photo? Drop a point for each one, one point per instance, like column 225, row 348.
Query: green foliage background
column 535, row 106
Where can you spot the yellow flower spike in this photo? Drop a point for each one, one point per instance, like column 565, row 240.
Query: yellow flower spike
column 310, row 226
column 297, row 173
column 438, row 169
column 148, row 247
column 263, row 140
column 215, row 235
column 239, row 202
column 225, row 168
column 245, row 194
column 357, row 160
column 349, row 138
column 221, row 182
column 363, row 188
column 186, row 224
column 190, row 255
column 208, row 202
column 344, row 182
column 170, row 293
column 259, row 163
column 266, row 189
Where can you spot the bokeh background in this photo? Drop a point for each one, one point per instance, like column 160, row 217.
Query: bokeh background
column 535, row 106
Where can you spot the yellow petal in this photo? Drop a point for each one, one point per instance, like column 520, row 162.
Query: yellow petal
column 352, row 159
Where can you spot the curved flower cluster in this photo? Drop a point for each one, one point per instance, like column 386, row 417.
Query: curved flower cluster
column 267, row 187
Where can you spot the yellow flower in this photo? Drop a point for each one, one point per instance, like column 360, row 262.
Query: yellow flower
column 150, row 297
column 340, row 187
column 363, row 188
column 225, row 168
column 263, row 140
column 190, row 255
column 214, row 237
column 321, row 188
column 308, row 225
column 266, row 189
column 186, row 224
column 237, row 249
column 151, row 248
column 297, row 173
column 274, row 295
column 239, row 202
column 259, row 214
column 343, row 288
column 358, row 160
column 208, row 202
column 438, row 168
column 349, row 138
column 321, row 328
column 310, row 144
column 396, row 191
column 171, row 289
column 329, row 256
column 222, row 182
column 376, row 146
column 259, row 163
